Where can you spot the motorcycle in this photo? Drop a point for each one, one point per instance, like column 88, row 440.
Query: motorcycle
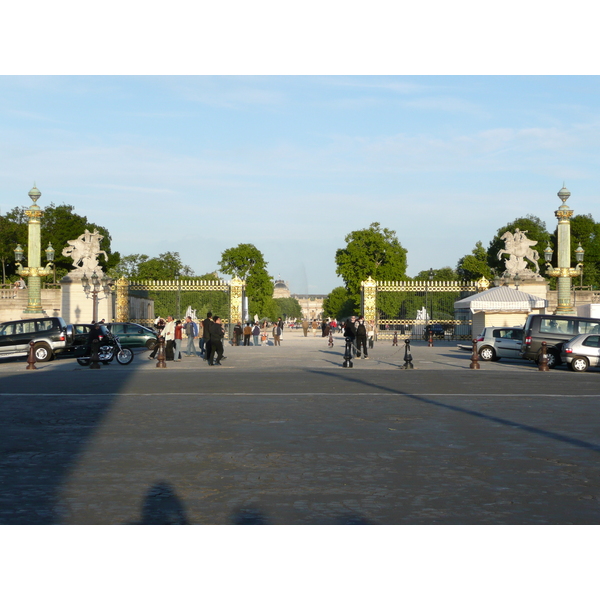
column 110, row 348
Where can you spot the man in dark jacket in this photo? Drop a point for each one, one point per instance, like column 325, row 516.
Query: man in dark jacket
column 205, row 339
column 361, row 337
column 217, row 333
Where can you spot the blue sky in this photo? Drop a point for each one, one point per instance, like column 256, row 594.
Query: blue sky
column 292, row 164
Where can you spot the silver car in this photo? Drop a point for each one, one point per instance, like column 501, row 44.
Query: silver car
column 495, row 343
column 582, row 352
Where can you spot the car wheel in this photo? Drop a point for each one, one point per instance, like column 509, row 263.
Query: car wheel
column 84, row 362
column 150, row 344
column 579, row 364
column 487, row 353
column 553, row 360
column 42, row 352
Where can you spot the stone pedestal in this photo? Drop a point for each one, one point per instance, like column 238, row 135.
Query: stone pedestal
column 77, row 307
column 535, row 287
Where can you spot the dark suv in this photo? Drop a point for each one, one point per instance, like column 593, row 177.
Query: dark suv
column 555, row 330
column 49, row 335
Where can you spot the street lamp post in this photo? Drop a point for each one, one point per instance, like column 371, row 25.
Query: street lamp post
column 564, row 272
column 98, row 285
column 34, row 271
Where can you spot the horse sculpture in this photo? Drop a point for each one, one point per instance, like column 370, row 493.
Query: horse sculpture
column 518, row 247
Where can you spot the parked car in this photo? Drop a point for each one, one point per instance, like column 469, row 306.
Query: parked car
column 49, row 335
column 132, row 335
column 437, row 329
column 582, row 352
column 494, row 343
column 555, row 330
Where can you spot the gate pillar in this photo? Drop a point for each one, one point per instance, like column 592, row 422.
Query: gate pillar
column 122, row 300
column 368, row 292
column 236, row 288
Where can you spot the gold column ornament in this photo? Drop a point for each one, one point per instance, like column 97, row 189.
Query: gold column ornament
column 482, row 284
column 122, row 300
column 236, row 288
column 368, row 290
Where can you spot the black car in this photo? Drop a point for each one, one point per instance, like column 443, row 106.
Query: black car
column 437, row 329
column 49, row 335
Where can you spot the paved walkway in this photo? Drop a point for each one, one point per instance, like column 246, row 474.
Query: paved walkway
column 285, row 435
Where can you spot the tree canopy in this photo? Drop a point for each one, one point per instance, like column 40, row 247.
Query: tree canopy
column 372, row 252
column 339, row 304
column 474, row 266
column 165, row 266
column 247, row 262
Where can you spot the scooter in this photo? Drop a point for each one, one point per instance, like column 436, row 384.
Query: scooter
column 110, row 348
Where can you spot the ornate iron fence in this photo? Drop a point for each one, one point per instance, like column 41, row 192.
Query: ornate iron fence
column 408, row 308
column 173, row 297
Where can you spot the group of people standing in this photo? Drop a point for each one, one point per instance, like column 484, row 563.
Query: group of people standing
column 258, row 334
column 211, row 342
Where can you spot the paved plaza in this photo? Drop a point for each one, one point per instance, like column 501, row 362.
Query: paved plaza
column 285, row 435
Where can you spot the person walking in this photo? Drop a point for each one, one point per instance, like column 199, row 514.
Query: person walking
column 305, row 327
column 247, row 334
column 217, row 333
column 276, row 335
column 205, row 339
column 361, row 337
column 178, row 340
column 256, row 334
column 315, row 326
column 191, row 330
column 169, row 334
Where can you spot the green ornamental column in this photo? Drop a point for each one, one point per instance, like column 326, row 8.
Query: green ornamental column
column 34, row 271
column 563, row 272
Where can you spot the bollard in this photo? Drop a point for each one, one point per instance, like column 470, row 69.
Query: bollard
column 160, row 355
column 543, row 362
column 31, row 357
column 474, row 357
column 348, row 354
column 330, row 344
column 430, row 345
column 95, row 358
column 407, row 356
column 395, row 340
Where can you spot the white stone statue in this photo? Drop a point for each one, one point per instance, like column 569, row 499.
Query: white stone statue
column 519, row 248
column 84, row 251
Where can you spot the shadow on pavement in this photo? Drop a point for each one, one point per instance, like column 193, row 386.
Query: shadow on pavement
column 528, row 428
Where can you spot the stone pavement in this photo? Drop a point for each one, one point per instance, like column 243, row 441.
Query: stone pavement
column 285, row 435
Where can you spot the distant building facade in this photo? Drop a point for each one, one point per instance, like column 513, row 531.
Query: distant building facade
column 311, row 304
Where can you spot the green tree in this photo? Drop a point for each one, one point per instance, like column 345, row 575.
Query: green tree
column 474, row 266
column 163, row 267
column 585, row 231
column 288, row 307
column 13, row 231
column 536, row 230
column 128, row 266
column 371, row 252
column 247, row 262
column 443, row 274
column 339, row 303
